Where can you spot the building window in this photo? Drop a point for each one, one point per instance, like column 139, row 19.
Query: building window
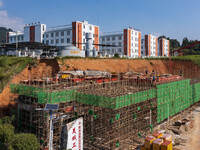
column 135, row 33
column 103, row 39
column 52, row 42
column 57, row 41
column 113, row 38
column 57, row 34
column 47, row 41
column 68, row 32
column 120, row 50
column 43, row 28
column 83, row 26
column 18, row 38
column 42, row 35
column 108, row 38
column 136, row 39
column 62, row 41
column 10, row 39
column 68, row 40
column 119, row 37
column 83, row 47
column 120, row 44
column 47, row 35
column 84, row 33
column 62, row 33
column 90, row 27
column 52, row 34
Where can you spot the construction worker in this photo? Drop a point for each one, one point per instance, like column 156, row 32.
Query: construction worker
column 146, row 72
column 154, row 78
column 103, row 83
column 181, row 74
column 91, row 82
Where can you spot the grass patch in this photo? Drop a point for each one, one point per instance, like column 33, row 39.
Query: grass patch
column 10, row 66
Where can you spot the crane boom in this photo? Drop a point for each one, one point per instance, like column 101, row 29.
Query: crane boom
column 185, row 47
column 170, row 62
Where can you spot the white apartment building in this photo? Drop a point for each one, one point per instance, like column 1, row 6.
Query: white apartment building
column 114, row 38
column 128, row 43
column 164, row 46
column 150, row 46
column 31, row 33
column 74, row 33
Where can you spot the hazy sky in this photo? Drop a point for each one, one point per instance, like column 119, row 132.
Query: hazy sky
column 173, row 18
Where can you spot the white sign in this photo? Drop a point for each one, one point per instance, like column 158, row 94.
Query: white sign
column 75, row 134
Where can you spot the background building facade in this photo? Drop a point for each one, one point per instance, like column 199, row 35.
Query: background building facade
column 151, row 45
column 128, row 43
column 164, row 47
column 85, row 36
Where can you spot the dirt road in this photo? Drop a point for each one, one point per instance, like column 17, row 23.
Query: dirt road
column 194, row 137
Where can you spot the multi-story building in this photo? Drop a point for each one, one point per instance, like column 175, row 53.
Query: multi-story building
column 150, row 45
column 32, row 33
column 74, row 33
column 85, row 36
column 128, row 43
column 164, row 46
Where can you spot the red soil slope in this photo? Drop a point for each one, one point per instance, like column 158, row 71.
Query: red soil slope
column 48, row 68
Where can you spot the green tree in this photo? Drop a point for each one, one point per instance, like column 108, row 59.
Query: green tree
column 116, row 55
column 6, row 133
column 174, row 43
column 185, row 42
column 25, row 141
column 7, row 119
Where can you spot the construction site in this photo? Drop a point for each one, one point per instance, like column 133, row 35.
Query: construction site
column 118, row 108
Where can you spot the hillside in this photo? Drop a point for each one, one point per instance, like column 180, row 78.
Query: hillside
column 17, row 69
column 3, row 31
column 10, row 66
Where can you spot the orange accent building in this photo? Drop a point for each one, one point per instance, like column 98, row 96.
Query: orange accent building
column 128, row 43
column 151, row 46
column 164, row 46
column 79, row 30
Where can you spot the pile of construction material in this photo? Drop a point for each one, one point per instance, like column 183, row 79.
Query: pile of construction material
column 158, row 141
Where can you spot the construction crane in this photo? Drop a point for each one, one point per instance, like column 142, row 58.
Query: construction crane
column 172, row 52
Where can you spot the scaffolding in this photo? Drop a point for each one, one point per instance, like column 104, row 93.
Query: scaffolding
column 114, row 113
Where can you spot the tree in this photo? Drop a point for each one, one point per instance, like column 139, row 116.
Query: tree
column 116, row 55
column 174, row 43
column 6, row 133
column 25, row 141
column 185, row 42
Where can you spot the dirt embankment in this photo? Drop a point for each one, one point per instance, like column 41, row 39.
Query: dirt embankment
column 49, row 68
column 113, row 65
column 188, row 68
column 45, row 68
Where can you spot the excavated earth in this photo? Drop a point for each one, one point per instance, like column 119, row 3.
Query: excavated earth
column 49, row 68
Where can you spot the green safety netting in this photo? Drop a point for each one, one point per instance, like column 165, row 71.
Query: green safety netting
column 44, row 96
column 116, row 102
column 174, row 97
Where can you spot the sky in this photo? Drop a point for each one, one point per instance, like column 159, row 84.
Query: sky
column 173, row 18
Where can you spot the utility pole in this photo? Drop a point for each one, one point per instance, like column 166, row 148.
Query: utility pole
column 16, row 43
